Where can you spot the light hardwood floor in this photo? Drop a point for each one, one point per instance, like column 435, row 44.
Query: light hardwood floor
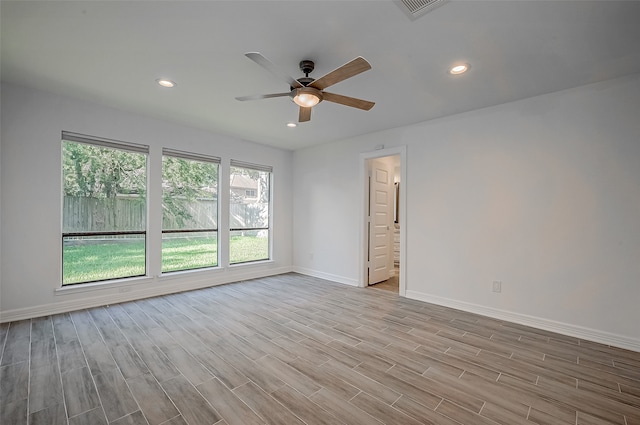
column 291, row 349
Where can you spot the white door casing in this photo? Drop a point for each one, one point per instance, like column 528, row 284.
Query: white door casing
column 365, row 159
column 380, row 219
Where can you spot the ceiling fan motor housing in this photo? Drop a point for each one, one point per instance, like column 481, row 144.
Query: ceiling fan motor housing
column 305, row 81
column 307, row 66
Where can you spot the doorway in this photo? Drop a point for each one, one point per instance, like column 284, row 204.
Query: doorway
column 383, row 215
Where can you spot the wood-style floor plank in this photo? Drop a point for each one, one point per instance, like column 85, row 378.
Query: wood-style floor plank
column 115, row 395
column 93, row 417
column 293, row 349
column 303, row 408
column 15, row 381
column 270, row 410
column 16, row 347
column 152, row 399
column 80, row 393
column 52, row 415
column 45, row 388
column 232, row 409
column 192, row 406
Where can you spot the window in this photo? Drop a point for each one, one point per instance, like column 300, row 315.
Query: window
column 189, row 211
column 104, row 229
column 249, row 216
column 104, row 209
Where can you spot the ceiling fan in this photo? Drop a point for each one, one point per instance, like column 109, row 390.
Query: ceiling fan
column 307, row 92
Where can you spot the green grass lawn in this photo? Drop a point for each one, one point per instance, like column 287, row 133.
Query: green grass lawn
column 102, row 261
column 248, row 248
column 189, row 253
column 91, row 262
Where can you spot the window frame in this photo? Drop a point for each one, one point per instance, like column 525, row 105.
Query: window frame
column 147, row 185
column 99, row 142
column 260, row 168
column 200, row 158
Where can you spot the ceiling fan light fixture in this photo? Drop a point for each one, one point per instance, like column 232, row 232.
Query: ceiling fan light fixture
column 166, row 83
column 459, row 68
column 306, row 97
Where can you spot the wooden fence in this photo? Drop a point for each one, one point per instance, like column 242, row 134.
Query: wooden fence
column 81, row 214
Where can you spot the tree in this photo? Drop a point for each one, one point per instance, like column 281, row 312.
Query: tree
column 183, row 183
column 104, row 173
column 101, row 172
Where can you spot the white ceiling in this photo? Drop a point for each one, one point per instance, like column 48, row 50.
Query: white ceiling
column 112, row 52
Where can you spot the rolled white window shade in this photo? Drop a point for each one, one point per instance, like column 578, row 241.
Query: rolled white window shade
column 191, row 156
column 257, row 167
column 108, row 143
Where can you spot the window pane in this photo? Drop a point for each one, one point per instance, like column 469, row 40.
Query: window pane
column 248, row 245
column 104, row 213
column 189, row 214
column 186, row 251
column 93, row 258
column 249, row 211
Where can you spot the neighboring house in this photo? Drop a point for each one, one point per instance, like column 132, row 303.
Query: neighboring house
column 244, row 188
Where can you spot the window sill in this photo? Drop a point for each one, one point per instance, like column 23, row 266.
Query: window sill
column 182, row 273
column 108, row 284
column 250, row 263
column 164, row 277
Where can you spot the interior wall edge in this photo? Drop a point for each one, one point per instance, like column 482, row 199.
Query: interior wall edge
column 107, row 299
column 568, row 329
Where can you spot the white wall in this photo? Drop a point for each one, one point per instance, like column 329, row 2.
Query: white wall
column 542, row 194
column 32, row 122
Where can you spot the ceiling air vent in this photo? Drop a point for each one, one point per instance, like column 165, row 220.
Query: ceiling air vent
column 417, row 8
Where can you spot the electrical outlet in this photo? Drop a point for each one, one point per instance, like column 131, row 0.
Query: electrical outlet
column 497, row 286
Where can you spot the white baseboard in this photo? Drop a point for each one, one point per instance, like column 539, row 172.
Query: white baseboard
column 160, row 287
column 594, row 335
column 326, row 276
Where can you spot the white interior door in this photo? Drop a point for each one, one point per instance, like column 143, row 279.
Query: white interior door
column 380, row 219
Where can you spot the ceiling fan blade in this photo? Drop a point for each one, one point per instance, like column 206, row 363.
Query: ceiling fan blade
column 305, row 114
column 347, row 70
column 269, row 66
column 262, row 96
column 348, row 101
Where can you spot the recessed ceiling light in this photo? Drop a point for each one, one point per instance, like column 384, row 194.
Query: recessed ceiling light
column 459, row 69
column 166, row 83
column 292, row 125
